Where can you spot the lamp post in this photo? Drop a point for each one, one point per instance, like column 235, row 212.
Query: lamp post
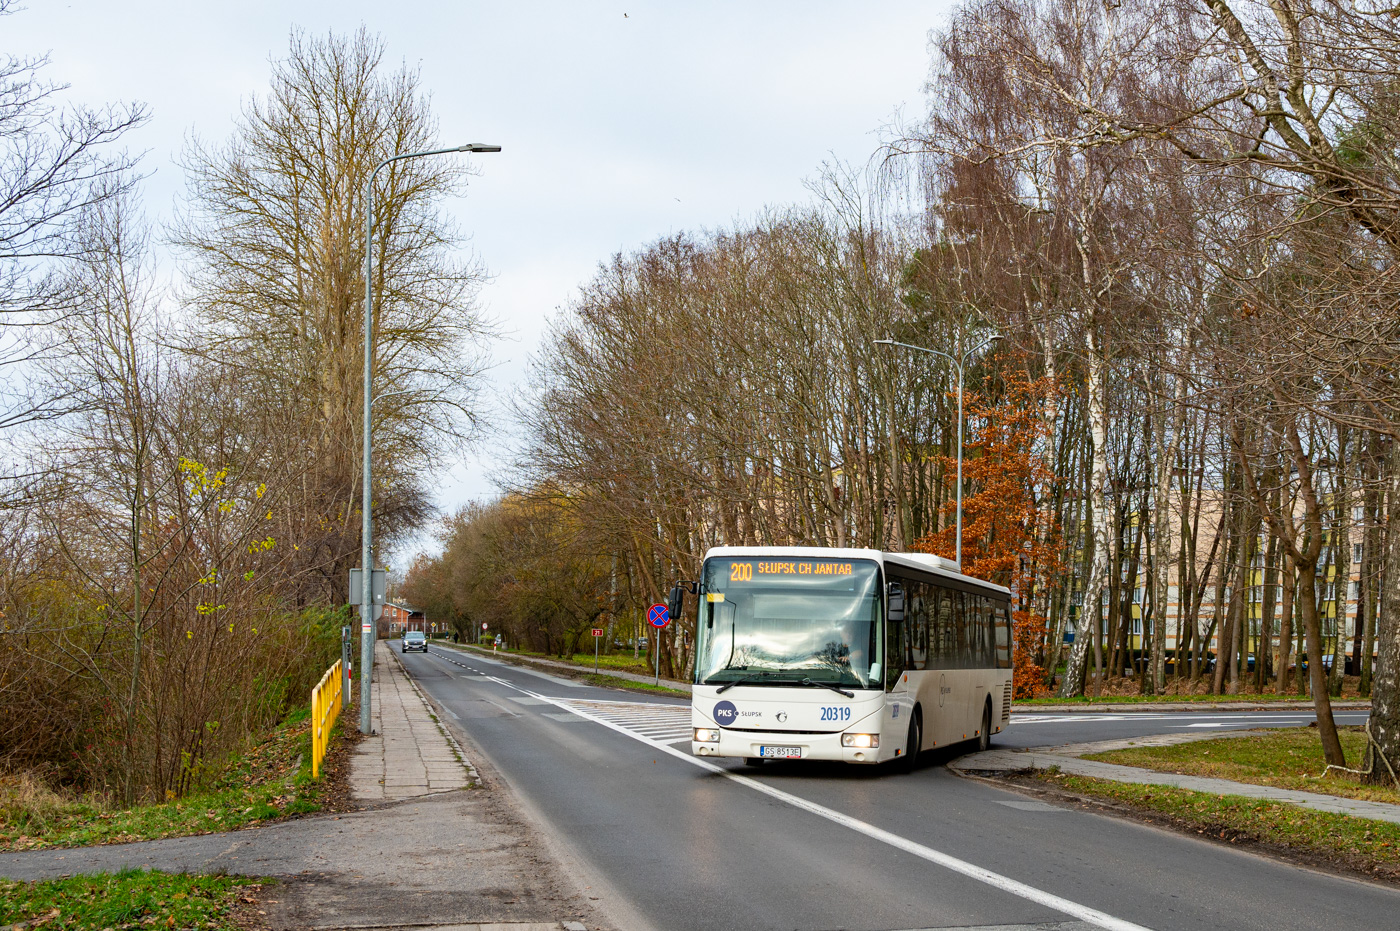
column 366, row 557
column 959, row 362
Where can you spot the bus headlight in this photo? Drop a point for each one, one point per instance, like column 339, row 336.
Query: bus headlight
column 706, row 735
column 860, row 740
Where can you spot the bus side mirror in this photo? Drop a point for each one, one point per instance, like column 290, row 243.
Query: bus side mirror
column 895, row 612
column 675, row 602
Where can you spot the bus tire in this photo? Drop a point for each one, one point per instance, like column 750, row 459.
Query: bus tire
column 984, row 739
column 912, row 745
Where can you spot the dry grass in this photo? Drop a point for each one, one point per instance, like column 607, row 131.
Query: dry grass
column 270, row 781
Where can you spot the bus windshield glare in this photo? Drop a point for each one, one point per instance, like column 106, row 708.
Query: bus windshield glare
column 776, row 620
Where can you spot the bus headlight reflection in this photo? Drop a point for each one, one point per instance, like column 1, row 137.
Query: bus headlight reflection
column 705, row 735
column 860, row 740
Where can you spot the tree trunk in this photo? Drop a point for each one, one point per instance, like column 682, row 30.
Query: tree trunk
column 1322, row 702
column 1161, row 549
column 1341, row 564
column 1285, row 630
column 1385, row 683
column 1073, row 683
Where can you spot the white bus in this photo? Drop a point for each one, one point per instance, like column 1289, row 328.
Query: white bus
column 845, row 654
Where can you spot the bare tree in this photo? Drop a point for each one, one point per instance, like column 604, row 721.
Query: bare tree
column 274, row 234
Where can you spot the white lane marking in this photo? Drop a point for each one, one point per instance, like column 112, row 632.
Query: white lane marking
column 996, row 880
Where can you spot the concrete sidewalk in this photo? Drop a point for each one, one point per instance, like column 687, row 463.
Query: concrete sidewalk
column 409, row 752
column 1068, row 760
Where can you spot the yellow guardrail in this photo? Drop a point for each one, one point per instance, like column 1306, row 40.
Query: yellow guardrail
column 325, row 708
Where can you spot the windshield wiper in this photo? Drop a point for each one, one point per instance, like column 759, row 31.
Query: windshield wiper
column 828, row 685
column 742, row 679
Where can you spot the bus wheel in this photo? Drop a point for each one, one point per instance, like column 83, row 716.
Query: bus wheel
column 911, row 747
column 984, row 739
column 753, row 760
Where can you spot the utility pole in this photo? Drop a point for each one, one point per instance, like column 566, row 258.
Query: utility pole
column 367, row 612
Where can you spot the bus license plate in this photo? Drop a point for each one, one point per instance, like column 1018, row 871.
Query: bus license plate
column 782, row 753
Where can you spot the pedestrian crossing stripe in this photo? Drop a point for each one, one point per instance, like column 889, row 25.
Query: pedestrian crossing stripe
column 665, row 724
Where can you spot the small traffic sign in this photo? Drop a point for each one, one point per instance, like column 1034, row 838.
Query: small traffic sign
column 597, row 631
column 658, row 615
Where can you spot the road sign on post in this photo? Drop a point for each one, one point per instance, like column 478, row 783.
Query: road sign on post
column 597, row 635
column 658, row 616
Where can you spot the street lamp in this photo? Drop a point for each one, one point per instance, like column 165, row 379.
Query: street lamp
column 366, row 593
column 959, row 362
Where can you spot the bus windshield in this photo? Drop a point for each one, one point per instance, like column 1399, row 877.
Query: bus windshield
column 779, row 620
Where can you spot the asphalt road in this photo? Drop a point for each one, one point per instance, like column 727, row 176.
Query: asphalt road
column 674, row 842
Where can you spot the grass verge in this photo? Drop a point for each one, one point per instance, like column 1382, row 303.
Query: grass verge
column 614, row 661
column 271, row 781
column 600, row 679
column 1289, row 758
column 1313, row 837
column 129, row 899
column 615, row 682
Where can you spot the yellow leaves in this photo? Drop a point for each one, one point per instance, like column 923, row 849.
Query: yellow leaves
column 248, row 576
column 206, row 608
column 269, row 516
column 211, row 579
column 189, row 634
column 260, row 490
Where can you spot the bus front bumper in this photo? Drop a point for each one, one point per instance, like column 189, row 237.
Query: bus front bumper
column 751, row 744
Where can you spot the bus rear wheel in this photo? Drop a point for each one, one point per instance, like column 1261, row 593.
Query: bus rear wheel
column 984, row 739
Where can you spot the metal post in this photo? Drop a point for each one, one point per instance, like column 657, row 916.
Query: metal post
column 367, row 617
column 345, row 666
column 595, row 654
column 958, row 556
column 366, row 556
column 658, row 654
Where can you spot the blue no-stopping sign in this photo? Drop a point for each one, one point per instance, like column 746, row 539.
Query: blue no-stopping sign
column 658, row 615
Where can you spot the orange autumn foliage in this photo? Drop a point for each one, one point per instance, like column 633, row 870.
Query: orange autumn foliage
column 1009, row 536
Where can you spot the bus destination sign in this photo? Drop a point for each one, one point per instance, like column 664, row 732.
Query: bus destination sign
column 746, row 571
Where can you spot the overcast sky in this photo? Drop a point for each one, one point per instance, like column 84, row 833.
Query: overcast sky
column 620, row 122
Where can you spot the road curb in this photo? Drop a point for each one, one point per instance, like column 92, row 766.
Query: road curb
column 1176, row 707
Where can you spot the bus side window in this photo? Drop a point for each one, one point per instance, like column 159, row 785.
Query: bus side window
column 946, row 649
column 916, row 617
column 1003, row 636
column 986, row 650
column 897, row 643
